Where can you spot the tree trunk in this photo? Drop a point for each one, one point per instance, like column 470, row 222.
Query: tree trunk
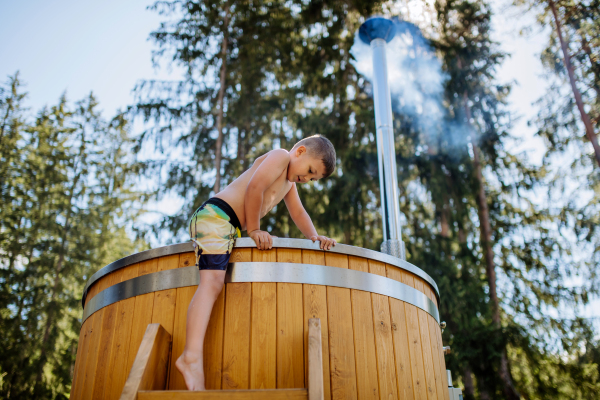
column 468, row 380
column 486, row 245
column 585, row 118
column 220, row 99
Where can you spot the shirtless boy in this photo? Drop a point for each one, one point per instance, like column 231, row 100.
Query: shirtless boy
column 241, row 205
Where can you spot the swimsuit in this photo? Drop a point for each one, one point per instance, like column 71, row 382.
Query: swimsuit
column 213, row 229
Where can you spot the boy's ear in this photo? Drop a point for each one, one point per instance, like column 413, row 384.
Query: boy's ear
column 300, row 150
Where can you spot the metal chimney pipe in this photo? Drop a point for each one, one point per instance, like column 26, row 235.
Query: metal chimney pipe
column 377, row 32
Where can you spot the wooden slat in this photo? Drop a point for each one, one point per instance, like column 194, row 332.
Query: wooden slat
column 364, row 339
column 92, row 358
column 104, row 352
column 213, row 345
column 426, row 346
column 290, row 327
column 315, row 360
column 445, row 383
column 142, row 313
column 386, row 367
column 263, row 335
column 163, row 311
column 435, row 352
column 315, row 306
column 82, row 353
column 414, row 340
column 184, row 298
column 236, row 340
column 341, row 336
column 187, row 259
column 400, row 339
column 266, row 394
column 149, row 371
column 121, row 339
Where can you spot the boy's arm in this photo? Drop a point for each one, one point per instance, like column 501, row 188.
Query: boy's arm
column 302, row 219
column 266, row 173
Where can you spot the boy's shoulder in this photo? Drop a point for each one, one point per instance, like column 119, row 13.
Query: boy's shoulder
column 276, row 156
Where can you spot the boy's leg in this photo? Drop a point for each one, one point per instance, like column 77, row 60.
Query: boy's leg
column 190, row 362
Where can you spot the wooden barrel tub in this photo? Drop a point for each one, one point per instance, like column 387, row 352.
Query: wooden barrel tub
column 380, row 323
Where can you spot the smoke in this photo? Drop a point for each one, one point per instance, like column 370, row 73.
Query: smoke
column 416, row 82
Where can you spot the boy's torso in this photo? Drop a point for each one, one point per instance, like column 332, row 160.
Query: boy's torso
column 235, row 192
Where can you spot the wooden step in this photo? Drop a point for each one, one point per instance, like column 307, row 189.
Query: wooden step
column 263, row 394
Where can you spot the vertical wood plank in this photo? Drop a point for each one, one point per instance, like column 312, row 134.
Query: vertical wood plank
column 106, row 341
column 435, row 351
column 400, row 339
column 315, row 360
column 315, row 306
column 236, row 340
column 183, row 298
column 263, row 330
column 414, row 339
column 426, row 346
column 187, row 259
column 182, row 303
column 290, row 327
column 341, row 336
column 92, row 358
column 383, row 338
column 445, row 383
column 367, row 384
column 82, row 353
column 121, row 339
column 142, row 313
column 401, row 350
column 163, row 311
column 213, row 345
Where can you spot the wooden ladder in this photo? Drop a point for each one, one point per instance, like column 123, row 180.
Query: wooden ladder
column 148, row 377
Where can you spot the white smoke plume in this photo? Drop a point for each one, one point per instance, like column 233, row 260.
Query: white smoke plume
column 416, row 80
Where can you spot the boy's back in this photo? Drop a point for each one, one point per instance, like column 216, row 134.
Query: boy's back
column 235, row 193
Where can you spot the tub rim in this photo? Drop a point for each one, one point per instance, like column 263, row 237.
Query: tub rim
column 246, row 242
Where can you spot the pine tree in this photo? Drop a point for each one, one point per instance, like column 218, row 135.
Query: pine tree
column 65, row 193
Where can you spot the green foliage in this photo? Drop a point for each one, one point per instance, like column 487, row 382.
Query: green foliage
column 66, row 189
column 289, row 76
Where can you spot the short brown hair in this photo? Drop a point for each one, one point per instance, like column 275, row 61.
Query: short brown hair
column 320, row 147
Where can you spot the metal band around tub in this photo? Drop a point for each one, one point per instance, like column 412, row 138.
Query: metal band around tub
column 289, row 243
column 264, row 272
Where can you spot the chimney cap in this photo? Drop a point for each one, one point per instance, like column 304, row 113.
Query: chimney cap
column 377, row 28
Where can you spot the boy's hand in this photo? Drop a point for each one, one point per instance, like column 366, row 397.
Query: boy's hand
column 263, row 240
column 326, row 242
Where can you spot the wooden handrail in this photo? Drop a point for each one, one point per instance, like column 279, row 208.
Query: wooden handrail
column 149, row 370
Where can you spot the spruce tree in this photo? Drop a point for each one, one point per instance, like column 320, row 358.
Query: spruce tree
column 66, row 193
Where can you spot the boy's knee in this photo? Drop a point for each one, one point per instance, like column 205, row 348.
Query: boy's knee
column 212, row 281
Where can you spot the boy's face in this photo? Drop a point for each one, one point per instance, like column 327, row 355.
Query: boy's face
column 304, row 167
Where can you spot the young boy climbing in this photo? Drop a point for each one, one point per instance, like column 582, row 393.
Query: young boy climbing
column 218, row 222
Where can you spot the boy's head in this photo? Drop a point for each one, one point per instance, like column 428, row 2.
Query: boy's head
column 316, row 155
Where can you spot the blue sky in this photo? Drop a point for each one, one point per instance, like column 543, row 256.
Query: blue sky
column 77, row 46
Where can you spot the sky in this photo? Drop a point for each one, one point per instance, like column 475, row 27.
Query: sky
column 78, row 47
column 82, row 46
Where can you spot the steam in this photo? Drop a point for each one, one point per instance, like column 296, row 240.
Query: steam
column 416, row 82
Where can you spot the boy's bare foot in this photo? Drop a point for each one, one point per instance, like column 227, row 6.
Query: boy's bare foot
column 192, row 371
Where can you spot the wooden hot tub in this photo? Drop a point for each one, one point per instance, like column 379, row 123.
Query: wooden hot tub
column 379, row 317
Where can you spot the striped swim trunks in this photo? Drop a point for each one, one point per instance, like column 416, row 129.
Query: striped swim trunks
column 213, row 229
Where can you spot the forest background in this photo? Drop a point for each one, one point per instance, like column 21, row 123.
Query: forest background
column 510, row 236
